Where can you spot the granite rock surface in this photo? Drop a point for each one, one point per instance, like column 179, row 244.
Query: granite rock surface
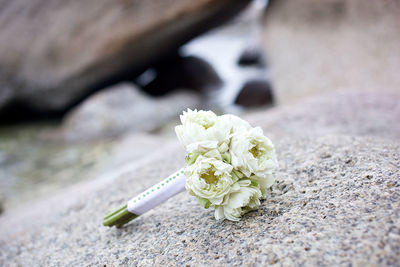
column 335, row 202
column 360, row 113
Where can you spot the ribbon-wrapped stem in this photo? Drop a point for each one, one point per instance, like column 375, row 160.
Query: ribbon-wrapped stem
column 147, row 200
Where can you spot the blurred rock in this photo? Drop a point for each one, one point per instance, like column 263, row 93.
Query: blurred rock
column 319, row 46
column 54, row 53
column 251, row 57
column 255, row 93
column 181, row 72
column 123, row 108
column 32, row 165
column 335, row 202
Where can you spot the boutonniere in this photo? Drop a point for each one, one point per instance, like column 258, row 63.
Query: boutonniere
column 229, row 168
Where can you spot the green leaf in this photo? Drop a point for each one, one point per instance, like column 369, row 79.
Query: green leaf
column 191, row 158
column 235, row 178
column 238, row 174
column 254, row 183
column 226, row 157
column 204, row 202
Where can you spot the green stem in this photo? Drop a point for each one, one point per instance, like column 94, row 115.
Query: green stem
column 115, row 211
column 119, row 217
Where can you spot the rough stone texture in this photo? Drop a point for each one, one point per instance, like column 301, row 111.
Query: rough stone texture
column 336, row 202
column 319, row 46
column 53, row 53
column 121, row 109
column 349, row 113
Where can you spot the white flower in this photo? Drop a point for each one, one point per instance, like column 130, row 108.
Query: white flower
column 253, row 153
column 202, row 131
column 209, row 179
column 230, row 163
column 235, row 123
column 263, row 182
column 246, row 198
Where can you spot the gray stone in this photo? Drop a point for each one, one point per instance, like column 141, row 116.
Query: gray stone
column 180, row 72
column 32, row 164
column 353, row 113
column 252, row 56
column 335, row 202
column 255, row 93
column 53, row 53
column 104, row 133
column 121, row 109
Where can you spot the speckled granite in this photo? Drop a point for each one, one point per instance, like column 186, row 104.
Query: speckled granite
column 342, row 112
column 336, row 202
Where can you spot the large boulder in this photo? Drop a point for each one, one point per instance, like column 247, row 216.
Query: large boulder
column 54, row 53
column 335, row 202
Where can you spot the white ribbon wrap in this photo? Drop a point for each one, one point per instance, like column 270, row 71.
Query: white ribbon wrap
column 158, row 193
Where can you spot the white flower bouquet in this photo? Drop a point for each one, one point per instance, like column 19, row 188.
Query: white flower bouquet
column 229, row 168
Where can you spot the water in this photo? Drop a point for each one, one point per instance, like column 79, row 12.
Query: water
column 222, row 48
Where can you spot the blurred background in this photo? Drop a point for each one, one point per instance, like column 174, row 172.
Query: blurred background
column 87, row 87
